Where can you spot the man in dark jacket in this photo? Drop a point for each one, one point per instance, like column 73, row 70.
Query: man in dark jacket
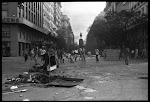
column 25, row 54
column 126, row 53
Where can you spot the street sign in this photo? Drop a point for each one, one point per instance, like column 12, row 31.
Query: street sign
column 10, row 20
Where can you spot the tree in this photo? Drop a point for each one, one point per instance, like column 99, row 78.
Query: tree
column 118, row 24
column 88, row 29
column 113, row 30
column 61, row 42
column 95, row 36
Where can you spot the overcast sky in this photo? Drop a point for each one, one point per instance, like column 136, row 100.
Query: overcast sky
column 82, row 15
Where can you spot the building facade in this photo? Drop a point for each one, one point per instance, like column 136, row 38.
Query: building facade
column 67, row 30
column 57, row 14
column 21, row 26
column 137, row 35
column 48, row 18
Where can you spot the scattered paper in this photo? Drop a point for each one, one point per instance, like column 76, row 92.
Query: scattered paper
column 26, row 100
column 85, row 89
column 13, row 87
column 88, row 97
column 53, row 67
column 101, row 81
column 25, row 72
column 80, row 87
column 89, row 90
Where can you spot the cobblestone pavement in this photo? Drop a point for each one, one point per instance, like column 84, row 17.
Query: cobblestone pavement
column 105, row 80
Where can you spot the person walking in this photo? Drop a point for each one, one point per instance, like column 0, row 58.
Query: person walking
column 60, row 57
column 76, row 52
column 43, row 51
column 35, row 57
column 80, row 53
column 25, row 55
column 97, row 53
column 136, row 53
column 83, row 55
column 32, row 54
column 132, row 54
column 126, row 53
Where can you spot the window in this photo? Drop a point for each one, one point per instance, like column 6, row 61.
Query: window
column 5, row 34
column 23, row 11
column 23, row 35
column 4, row 13
column 142, row 11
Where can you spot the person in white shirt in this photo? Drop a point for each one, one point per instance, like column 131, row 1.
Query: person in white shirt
column 76, row 52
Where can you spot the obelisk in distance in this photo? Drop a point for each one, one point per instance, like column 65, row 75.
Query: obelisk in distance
column 81, row 41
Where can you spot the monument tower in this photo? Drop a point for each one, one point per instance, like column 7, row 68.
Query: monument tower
column 81, row 41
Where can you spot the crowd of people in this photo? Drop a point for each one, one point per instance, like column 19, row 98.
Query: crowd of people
column 72, row 55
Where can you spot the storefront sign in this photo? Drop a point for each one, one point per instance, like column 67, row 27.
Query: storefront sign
column 10, row 20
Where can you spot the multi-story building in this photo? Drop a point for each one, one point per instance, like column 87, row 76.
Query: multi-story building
column 57, row 14
column 21, row 26
column 139, row 32
column 135, row 6
column 67, row 30
column 70, row 35
column 48, row 17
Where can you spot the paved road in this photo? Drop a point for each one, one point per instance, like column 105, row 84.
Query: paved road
column 105, row 80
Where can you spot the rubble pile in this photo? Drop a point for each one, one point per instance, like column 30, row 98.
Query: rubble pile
column 37, row 68
column 38, row 75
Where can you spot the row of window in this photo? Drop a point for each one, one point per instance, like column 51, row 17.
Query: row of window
column 22, row 35
column 48, row 8
column 33, row 15
column 50, row 18
column 144, row 9
column 33, row 5
column 133, row 5
column 29, row 37
column 27, row 13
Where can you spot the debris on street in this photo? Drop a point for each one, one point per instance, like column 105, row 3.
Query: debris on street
column 13, row 87
column 20, row 95
column 24, row 90
column 37, row 75
column 89, row 90
column 85, row 89
column 26, row 100
column 88, row 97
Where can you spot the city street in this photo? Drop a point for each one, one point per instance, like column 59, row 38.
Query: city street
column 105, row 80
column 111, row 39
